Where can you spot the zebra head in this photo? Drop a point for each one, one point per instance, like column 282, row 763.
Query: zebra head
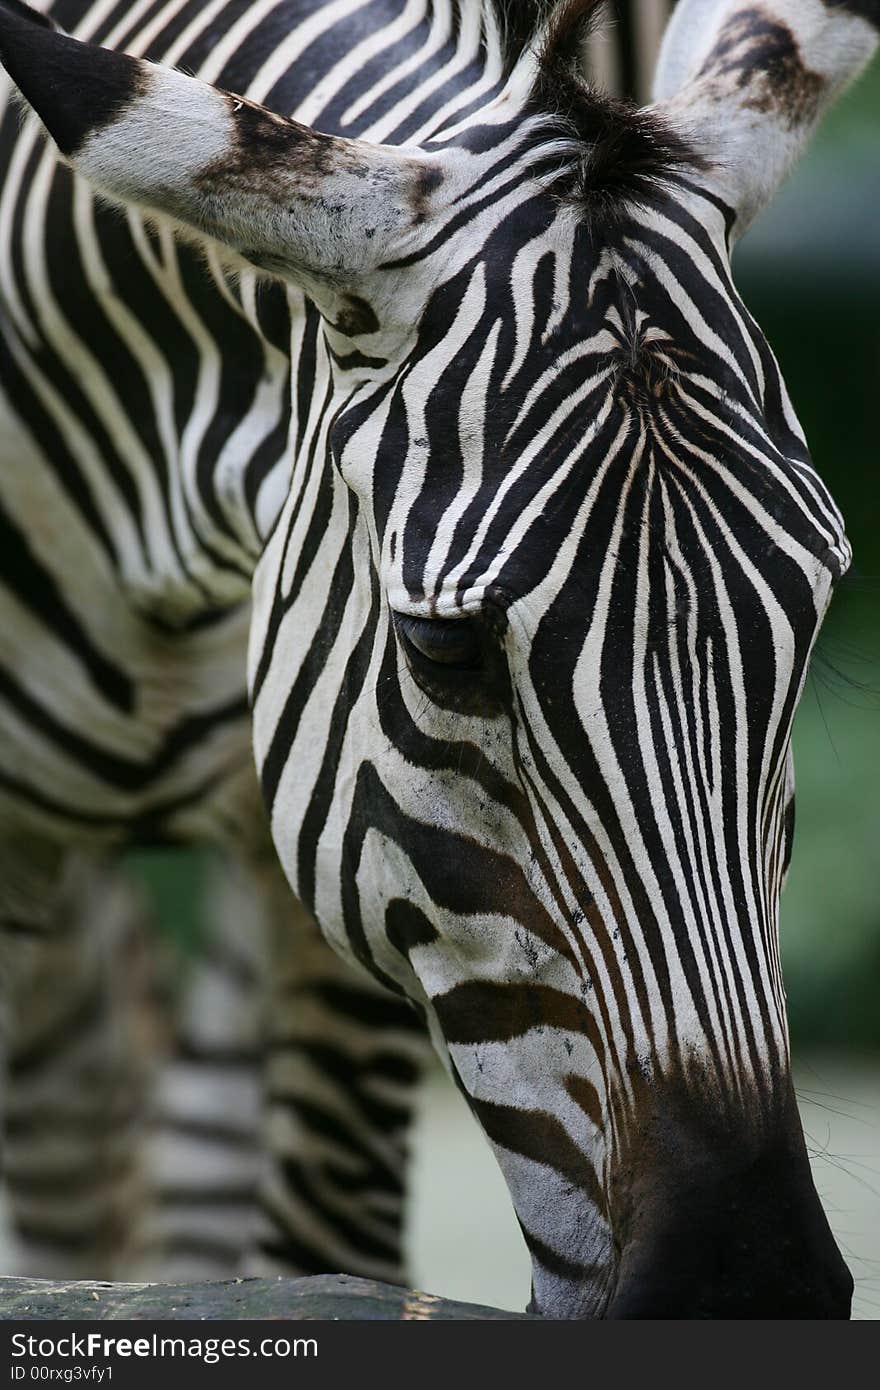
column 532, row 625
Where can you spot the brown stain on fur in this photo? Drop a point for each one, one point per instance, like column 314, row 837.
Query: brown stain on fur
column 761, row 57
column 263, row 143
column 427, row 181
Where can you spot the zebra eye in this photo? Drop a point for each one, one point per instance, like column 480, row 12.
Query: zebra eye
column 452, row 643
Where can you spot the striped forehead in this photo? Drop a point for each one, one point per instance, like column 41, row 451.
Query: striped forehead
column 552, row 364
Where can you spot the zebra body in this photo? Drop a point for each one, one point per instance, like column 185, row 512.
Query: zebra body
column 542, row 558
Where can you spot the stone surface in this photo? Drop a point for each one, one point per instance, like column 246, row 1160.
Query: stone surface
column 289, row 1300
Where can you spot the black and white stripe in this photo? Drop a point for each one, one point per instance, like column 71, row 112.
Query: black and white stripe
column 542, row 557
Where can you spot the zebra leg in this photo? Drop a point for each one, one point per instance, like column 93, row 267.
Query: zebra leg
column 204, row 1152
column 79, row 1042
column 345, row 1059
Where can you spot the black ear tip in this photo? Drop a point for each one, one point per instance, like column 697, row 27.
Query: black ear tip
column 31, row 15
column 75, row 88
column 17, row 34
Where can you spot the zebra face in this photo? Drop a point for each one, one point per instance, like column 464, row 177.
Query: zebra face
column 531, row 627
column 595, row 560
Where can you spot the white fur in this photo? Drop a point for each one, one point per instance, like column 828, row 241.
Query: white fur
column 153, row 155
column 751, row 150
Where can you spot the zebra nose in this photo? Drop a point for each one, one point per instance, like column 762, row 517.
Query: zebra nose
column 751, row 1292
column 754, row 1244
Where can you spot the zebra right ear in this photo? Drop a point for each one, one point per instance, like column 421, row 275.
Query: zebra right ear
column 316, row 210
column 748, row 83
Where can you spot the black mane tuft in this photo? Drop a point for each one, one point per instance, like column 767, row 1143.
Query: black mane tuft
column 522, row 21
column 627, row 151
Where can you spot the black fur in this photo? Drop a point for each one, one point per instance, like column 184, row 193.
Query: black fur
column 865, row 9
column 521, row 21
column 27, row 12
column 75, row 88
column 627, row 152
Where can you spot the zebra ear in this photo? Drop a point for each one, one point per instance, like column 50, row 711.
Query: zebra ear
column 749, row 82
column 313, row 209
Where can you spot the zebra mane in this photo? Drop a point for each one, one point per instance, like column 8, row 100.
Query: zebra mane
column 524, row 23
column 626, row 151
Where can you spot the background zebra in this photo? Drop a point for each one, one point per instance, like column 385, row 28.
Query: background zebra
column 611, row 586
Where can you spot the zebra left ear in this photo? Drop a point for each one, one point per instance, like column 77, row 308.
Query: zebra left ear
column 749, row 82
column 316, row 210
